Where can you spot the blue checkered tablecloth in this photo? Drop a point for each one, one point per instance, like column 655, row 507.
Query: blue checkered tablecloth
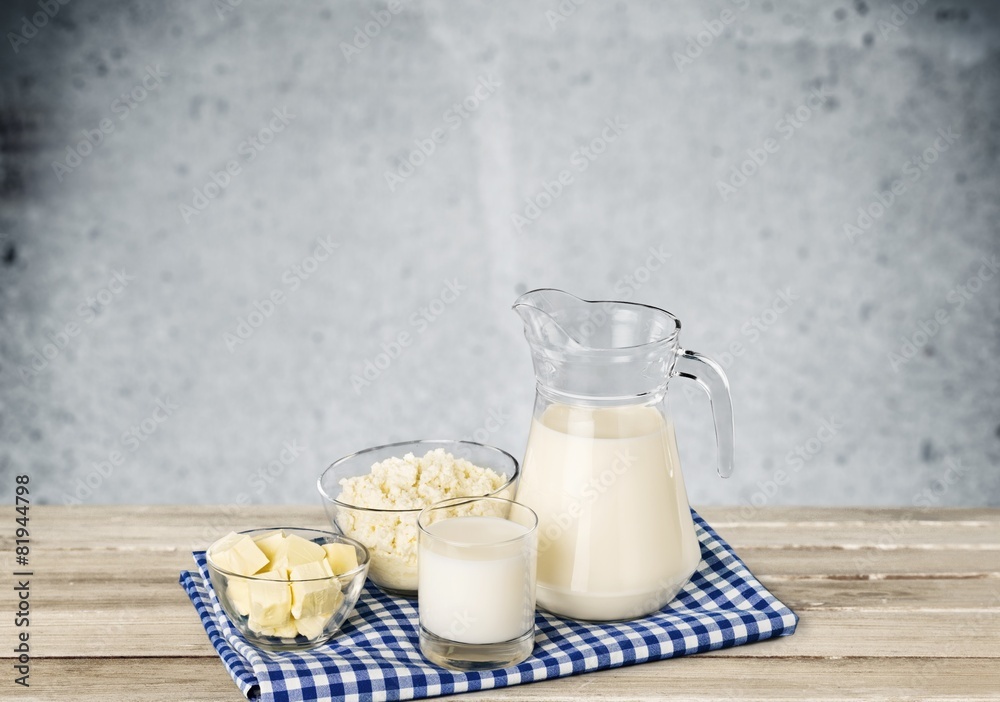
column 377, row 654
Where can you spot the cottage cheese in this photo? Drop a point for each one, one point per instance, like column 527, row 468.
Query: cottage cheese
column 407, row 483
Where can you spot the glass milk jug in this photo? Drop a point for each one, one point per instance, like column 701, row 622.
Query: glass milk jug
column 615, row 534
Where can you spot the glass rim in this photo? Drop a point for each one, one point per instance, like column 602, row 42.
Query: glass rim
column 455, row 501
column 340, row 538
column 415, row 510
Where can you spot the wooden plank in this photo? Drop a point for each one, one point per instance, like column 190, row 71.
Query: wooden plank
column 131, row 680
column 100, row 618
column 95, row 566
column 702, row 678
column 189, row 528
column 840, row 516
column 871, row 563
column 697, row 678
column 801, row 594
column 165, row 565
column 125, row 580
column 930, row 536
column 885, row 634
column 912, row 595
column 174, row 629
column 154, row 527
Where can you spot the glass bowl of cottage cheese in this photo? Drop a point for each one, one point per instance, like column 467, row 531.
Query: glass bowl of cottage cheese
column 375, row 496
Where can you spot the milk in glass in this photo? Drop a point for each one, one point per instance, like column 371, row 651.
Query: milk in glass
column 475, row 580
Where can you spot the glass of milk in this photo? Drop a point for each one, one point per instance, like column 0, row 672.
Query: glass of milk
column 476, row 582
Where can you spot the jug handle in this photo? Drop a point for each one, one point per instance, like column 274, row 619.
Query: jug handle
column 712, row 379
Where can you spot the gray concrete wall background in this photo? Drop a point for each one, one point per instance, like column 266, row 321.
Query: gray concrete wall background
column 920, row 430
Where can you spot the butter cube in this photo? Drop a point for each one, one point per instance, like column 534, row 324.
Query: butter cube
column 278, row 565
column 342, row 557
column 272, row 544
column 286, row 631
column 270, row 602
column 314, row 598
column 239, row 595
column 299, row 551
column 238, row 553
column 311, row 627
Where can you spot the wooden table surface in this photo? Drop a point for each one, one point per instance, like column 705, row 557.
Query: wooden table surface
column 894, row 604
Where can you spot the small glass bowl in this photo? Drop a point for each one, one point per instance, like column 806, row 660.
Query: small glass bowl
column 391, row 535
column 233, row 591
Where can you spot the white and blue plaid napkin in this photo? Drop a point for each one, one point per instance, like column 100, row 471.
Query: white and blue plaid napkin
column 377, row 654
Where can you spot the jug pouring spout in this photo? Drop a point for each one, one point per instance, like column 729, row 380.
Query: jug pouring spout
column 544, row 312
